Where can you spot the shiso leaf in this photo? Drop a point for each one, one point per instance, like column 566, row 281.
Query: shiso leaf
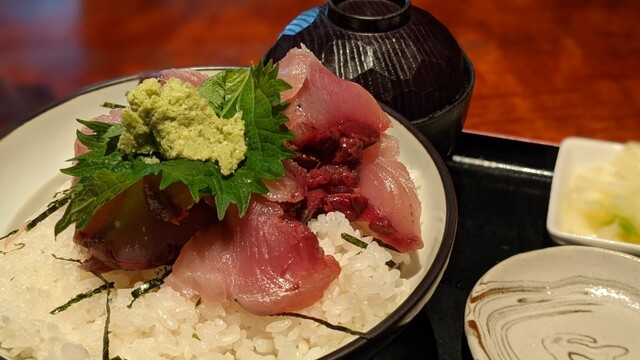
column 104, row 172
column 230, row 92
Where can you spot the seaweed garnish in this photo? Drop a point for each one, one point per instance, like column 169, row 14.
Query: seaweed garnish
column 106, row 286
column 107, row 321
column 149, row 285
column 85, row 295
column 52, row 207
column 363, row 245
column 9, row 234
column 17, row 246
column 82, row 296
column 66, row 259
column 326, row 323
column 61, row 198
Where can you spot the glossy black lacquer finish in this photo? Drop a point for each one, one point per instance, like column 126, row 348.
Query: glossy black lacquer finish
column 401, row 54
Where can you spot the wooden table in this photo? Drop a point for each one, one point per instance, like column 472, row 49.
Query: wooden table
column 546, row 69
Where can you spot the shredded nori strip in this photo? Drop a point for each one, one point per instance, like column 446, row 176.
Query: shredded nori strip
column 66, row 259
column 9, row 234
column 107, row 320
column 149, row 285
column 326, row 323
column 107, row 285
column 82, row 296
column 85, row 295
column 110, row 105
column 17, row 246
column 363, row 245
column 51, row 208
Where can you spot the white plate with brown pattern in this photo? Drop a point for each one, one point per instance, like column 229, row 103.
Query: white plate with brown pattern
column 565, row 302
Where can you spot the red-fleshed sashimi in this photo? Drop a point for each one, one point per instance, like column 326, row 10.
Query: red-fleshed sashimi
column 394, row 208
column 266, row 261
column 321, row 101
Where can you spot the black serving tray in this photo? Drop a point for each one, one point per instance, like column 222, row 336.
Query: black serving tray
column 503, row 187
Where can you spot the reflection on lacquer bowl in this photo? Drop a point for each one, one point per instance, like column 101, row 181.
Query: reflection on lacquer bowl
column 557, row 303
column 402, row 54
column 54, row 130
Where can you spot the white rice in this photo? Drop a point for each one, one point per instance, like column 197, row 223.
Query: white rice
column 165, row 325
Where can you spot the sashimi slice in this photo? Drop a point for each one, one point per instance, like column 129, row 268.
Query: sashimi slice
column 394, row 208
column 190, row 76
column 269, row 263
column 291, row 187
column 293, row 69
column 321, row 101
column 143, row 227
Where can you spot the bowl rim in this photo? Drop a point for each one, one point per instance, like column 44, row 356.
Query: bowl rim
column 417, row 299
column 463, row 96
column 385, row 331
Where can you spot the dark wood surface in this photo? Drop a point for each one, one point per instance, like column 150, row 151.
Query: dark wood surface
column 546, row 69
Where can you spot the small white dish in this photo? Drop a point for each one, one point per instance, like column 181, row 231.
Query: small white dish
column 557, row 303
column 576, row 153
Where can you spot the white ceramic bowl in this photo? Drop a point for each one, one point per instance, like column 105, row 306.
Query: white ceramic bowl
column 550, row 303
column 31, row 156
column 576, row 153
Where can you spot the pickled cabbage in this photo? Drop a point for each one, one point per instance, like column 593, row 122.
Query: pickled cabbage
column 603, row 200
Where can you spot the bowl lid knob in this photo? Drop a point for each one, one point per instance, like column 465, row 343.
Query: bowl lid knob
column 369, row 15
